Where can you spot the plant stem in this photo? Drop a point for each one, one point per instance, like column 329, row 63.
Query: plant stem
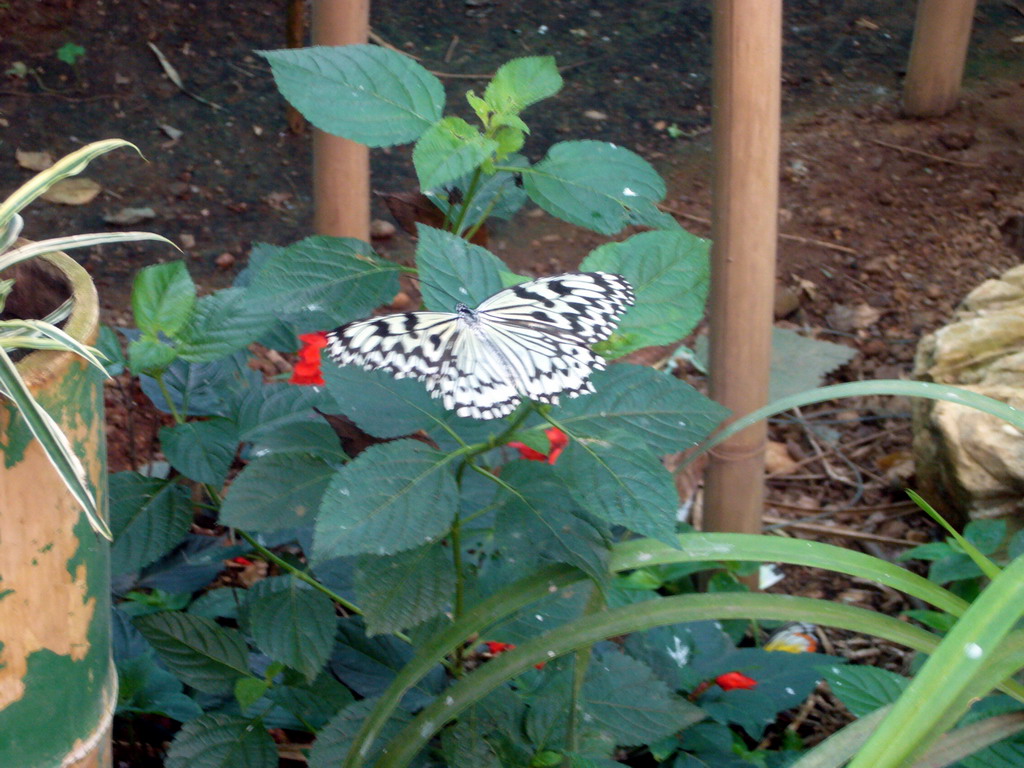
column 459, row 602
column 470, row 194
column 178, row 419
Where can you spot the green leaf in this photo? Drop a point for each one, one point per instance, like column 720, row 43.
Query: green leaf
column 521, row 82
column 497, row 196
column 315, row 438
column 392, row 497
column 539, row 519
column 449, row 149
column 334, row 740
column 658, row 410
column 219, row 603
column 70, row 53
column 148, row 517
column 359, row 393
column 800, row 363
column 956, row 567
column 264, row 410
column 986, row 535
column 249, row 690
column 224, row 322
column 281, row 490
column 314, row 703
column 201, row 450
column 933, row 550
column 863, row 689
column 196, row 649
column 670, row 273
column 365, row 93
column 337, row 276
column 222, row 741
column 400, row 591
column 109, row 345
column 147, row 688
column 454, row 271
column 596, row 185
column 150, row 356
column 464, row 746
column 163, row 297
column 292, row 623
column 627, row 702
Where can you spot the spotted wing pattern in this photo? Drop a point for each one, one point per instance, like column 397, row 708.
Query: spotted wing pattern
column 531, row 340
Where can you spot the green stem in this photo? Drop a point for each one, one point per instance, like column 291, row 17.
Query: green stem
column 178, row 419
column 470, row 194
column 455, row 536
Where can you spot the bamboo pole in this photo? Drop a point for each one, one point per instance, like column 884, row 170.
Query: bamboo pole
column 938, row 53
column 747, row 53
column 341, row 168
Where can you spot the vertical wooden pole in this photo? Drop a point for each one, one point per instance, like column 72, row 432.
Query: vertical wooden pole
column 341, row 168
column 942, row 33
column 747, row 52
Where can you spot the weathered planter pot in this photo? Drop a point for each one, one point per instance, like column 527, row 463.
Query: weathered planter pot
column 58, row 686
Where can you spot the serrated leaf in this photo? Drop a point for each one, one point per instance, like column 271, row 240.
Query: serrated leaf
column 220, row 603
column 249, row 690
column 365, row 93
column 521, row 82
column 454, row 271
column 659, row 411
column 197, row 389
column 448, row 149
column 281, row 490
column 542, row 520
column 294, row 624
column 314, row 703
column 334, row 739
column 625, row 484
column 223, row 323
column 338, row 276
column 315, row 438
column 497, row 196
column 367, row 665
column 359, row 394
column 986, row 535
column 147, row 688
column 670, row 273
column 222, row 741
column 148, row 517
column 800, row 363
column 201, row 450
column 390, row 498
column 196, row 649
column 265, row 409
column 627, row 701
column 400, row 591
column 465, row 747
column 109, row 345
column 163, row 297
column 863, row 689
column 596, row 185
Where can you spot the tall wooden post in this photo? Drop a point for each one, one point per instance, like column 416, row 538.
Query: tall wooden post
column 942, row 33
column 341, row 168
column 747, row 52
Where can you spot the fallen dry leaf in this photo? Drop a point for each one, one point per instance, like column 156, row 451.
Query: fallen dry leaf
column 33, row 161
column 777, row 460
column 78, row 191
column 128, row 216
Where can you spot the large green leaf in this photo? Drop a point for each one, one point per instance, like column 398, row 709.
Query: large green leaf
column 658, row 410
column 334, row 740
column 293, row 623
column 448, row 149
column 265, row 409
column 224, row 322
column 200, row 652
column 163, row 297
column 337, row 276
column 148, row 517
column 359, row 394
column 864, row 689
column 538, row 519
column 400, row 591
column 521, row 82
column 670, row 273
column 280, row 490
column 625, row 700
column 596, row 185
column 392, row 497
column 452, row 270
column 201, row 450
column 222, row 741
column 146, row 687
column 365, row 93
column 624, row 483
column 313, row 703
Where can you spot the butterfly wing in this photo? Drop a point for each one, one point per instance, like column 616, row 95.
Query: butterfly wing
column 582, row 305
column 407, row 345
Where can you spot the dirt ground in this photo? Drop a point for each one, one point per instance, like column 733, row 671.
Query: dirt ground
column 887, row 222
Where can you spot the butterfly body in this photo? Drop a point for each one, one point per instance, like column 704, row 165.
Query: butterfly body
column 531, row 340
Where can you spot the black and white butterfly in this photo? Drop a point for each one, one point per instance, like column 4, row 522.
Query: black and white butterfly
column 529, row 341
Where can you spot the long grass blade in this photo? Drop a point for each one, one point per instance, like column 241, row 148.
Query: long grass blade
column 41, row 247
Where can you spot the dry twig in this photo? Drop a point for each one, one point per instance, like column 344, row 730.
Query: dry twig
column 913, row 151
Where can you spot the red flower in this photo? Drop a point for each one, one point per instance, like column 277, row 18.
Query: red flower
column 307, row 370
column 497, row 648
column 557, row 440
column 731, row 680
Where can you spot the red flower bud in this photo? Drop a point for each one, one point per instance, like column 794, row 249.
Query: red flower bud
column 307, row 370
column 731, row 680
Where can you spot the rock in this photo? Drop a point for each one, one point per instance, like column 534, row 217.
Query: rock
column 595, row 114
column 970, row 464
column 382, row 230
column 843, row 317
column 126, row 217
column 787, row 301
column 187, row 240
column 226, row 260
